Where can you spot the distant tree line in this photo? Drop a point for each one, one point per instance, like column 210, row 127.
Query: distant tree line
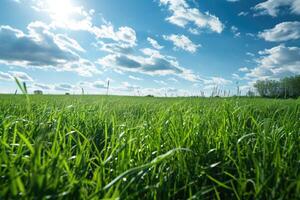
column 288, row 87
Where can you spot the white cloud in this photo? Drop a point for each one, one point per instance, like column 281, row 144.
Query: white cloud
column 21, row 76
column 64, row 87
column 41, row 48
column 68, row 43
column 243, row 69
column 282, row 32
column 182, row 15
column 235, row 31
column 236, row 76
column 154, row 43
column 123, row 34
column 152, row 63
column 160, row 82
column 135, row 78
column 10, row 75
column 116, row 47
column 250, row 54
column 42, row 86
column 77, row 18
column 250, row 34
column 164, row 91
column 100, row 84
column 173, row 80
column 243, row 13
column 214, row 85
column 128, row 87
column 150, row 52
column 272, row 7
column 194, row 31
column 277, row 62
column 182, row 42
column 217, row 81
column 5, row 76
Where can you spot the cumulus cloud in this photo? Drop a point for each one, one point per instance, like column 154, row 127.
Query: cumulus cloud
column 236, row 76
column 128, row 87
column 160, row 82
column 41, row 48
column 37, row 49
column 235, row 31
column 115, row 47
column 99, row 84
column 182, row 15
column 5, row 76
column 42, row 86
column 250, row 54
column 194, row 31
column 154, row 43
column 123, row 34
column 151, row 63
column 123, row 57
column 213, row 85
column 10, row 75
column 243, row 69
column 135, row 78
column 282, row 32
column 217, row 81
column 77, row 18
column 63, row 87
column 164, row 91
column 182, row 42
column 21, row 76
column 272, row 7
column 173, row 80
column 277, row 62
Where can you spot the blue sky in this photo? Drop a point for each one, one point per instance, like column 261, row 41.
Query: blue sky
column 160, row 47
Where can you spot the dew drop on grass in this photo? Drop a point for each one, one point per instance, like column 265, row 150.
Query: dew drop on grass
column 121, row 134
column 210, row 151
column 16, row 144
column 69, row 106
column 214, row 164
column 72, row 157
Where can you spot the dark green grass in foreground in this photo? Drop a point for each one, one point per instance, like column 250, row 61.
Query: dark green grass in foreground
column 93, row 147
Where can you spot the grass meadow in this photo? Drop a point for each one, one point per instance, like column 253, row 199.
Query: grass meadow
column 109, row 147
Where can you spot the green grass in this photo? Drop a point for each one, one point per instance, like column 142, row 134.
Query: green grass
column 98, row 147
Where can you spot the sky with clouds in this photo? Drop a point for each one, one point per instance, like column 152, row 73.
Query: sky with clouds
column 159, row 47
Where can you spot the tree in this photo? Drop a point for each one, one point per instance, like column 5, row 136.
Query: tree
column 261, row 87
column 291, row 86
column 288, row 87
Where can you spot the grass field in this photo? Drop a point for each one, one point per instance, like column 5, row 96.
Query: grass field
column 105, row 147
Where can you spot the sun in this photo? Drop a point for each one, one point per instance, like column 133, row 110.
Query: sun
column 60, row 10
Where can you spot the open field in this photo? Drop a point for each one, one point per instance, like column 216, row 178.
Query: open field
column 93, row 147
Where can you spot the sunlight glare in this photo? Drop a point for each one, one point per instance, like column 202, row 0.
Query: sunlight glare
column 60, row 9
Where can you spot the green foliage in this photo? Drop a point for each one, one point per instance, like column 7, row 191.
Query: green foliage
column 104, row 147
column 288, row 87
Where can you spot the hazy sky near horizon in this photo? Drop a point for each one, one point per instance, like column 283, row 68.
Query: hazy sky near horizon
column 173, row 47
